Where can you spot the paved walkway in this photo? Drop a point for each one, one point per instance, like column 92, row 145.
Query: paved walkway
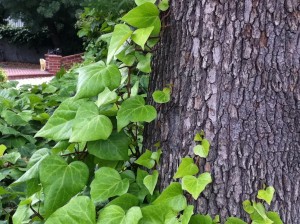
column 25, row 73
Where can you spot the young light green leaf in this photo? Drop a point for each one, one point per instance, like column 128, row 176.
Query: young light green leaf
column 2, row 149
column 195, row 185
column 260, row 213
column 187, row 214
column 206, row 145
column 267, row 194
column 79, row 210
column 205, row 219
column 127, row 59
column 186, row 167
column 93, row 79
column 233, row 220
column 163, row 5
column 114, row 214
column 199, row 150
column 140, row 36
column 150, row 181
column 140, row 2
column 88, row 125
column 198, row 137
column 59, row 126
column 114, row 148
column 146, row 160
column 156, row 155
column 144, row 64
column 106, row 97
column 274, row 217
column 22, row 214
column 172, row 197
column 144, row 16
column 61, row 181
column 121, row 33
column 107, row 183
column 247, row 206
column 162, row 96
column 135, row 110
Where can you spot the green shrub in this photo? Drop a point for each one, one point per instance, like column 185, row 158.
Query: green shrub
column 3, row 75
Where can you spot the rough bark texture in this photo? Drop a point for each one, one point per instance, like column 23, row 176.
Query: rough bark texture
column 234, row 66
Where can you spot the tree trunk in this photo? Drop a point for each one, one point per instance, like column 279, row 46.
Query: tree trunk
column 234, row 66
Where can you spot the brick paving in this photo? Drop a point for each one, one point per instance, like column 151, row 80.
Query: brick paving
column 25, row 73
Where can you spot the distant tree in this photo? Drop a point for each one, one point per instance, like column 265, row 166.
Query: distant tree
column 59, row 17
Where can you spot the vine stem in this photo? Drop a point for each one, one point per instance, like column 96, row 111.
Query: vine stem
column 128, row 83
column 36, row 213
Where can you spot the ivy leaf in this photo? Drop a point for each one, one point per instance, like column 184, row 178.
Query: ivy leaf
column 107, row 183
column 125, row 201
column 274, row 217
column 114, row 214
column 61, row 181
column 144, row 16
column 144, row 64
column 140, row 2
column 2, row 149
column 79, row 210
column 127, row 59
column 162, row 96
column 205, row 219
column 121, row 33
column 11, row 157
column 114, row 148
column 198, row 137
column 146, row 160
column 172, row 197
column 266, row 195
column 233, row 220
column 163, row 5
column 186, row 167
column 187, row 214
column 13, row 119
column 135, row 110
column 106, row 97
column 22, row 213
column 156, row 155
column 247, row 206
column 59, row 126
column 195, row 185
column 150, row 181
column 88, row 125
column 140, row 36
column 200, row 151
column 93, row 79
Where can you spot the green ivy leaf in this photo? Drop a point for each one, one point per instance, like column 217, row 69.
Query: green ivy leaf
column 195, row 185
column 233, row 220
column 22, row 213
column 140, row 2
column 274, row 217
column 114, row 148
column 114, row 214
column 135, row 110
column 127, row 58
column 200, row 151
column 146, row 160
column 163, row 96
column 187, row 214
column 144, row 64
column 121, row 33
column 172, row 197
column 156, row 155
column 88, row 125
column 106, row 97
column 150, row 181
column 79, row 210
column 59, row 126
column 266, row 195
column 199, row 219
column 13, row 119
column 198, row 137
column 93, row 79
column 61, row 181
column 125, row 201
column 144, row 16
column 247, row 206
column 11, row 157
column 163, row 5
column 157, row 214
column 186, row 167
column 140, row 36
column 107, row 183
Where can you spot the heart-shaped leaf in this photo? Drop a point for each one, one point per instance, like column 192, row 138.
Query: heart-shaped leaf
column 163, row 5
column 247, row 206
column 106, row 97
column 233, row 220
column 267, row 194
column 79, row 210
column 121, row 33
column 140, row 36
column 93, row 79
column 114, row 148
column 143, row 16
column 88, row 125
column 114, row 214
column 162, row 96
column 125, row 201
column 59, row 126
column 61, row 181
column 186, row 167
column 144, row 64
column 187, row 214
column 146, row 160
column 140, row 2
column 150, row 181
column 195, row 185
column 107, row 183
column 135, row 110
column 2, row 149
column 274, row 217
column 200, row 151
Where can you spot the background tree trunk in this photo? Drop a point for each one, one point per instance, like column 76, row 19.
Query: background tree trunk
column 234, row 66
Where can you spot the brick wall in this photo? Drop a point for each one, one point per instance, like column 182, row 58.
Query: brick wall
column 55, row 62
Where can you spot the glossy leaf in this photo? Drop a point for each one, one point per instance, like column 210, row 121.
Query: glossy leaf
column 78, row 211
column 135, row 110
column 140, row 36
column 150, row 181
column 199, row 150
column 267, row 194
column 61, row 181
column 163, row 96
column 106, row 96
column 274, row 217
column 125, row 201
column 144, row 64
column 140, row 2
column 187, row 214
column 233, row 220
column 163, row 5
column 121, row 33
column 94, row 78
column 186, row 167
column 107, row 183
column 2, row 149
column 199, row 219
column 195, row 185
column 146, row 160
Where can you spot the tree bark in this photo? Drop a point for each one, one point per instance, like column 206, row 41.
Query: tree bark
column 234, row 66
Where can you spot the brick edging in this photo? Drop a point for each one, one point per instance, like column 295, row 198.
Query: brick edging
column 55, row 62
